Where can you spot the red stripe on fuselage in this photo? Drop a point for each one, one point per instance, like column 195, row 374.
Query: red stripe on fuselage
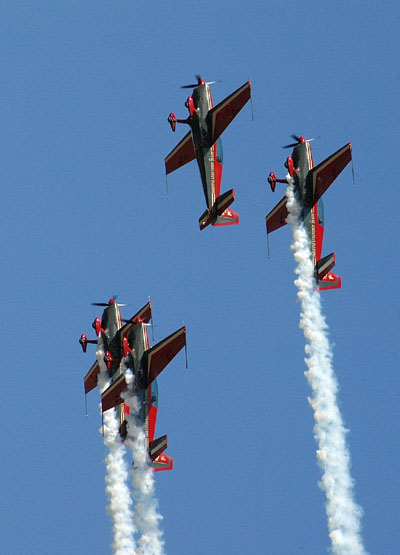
column 314, row 209
column 317, row 230
column 148, row 392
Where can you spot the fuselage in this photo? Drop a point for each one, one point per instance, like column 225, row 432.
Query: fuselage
column 313, row 217
column 147, row 396
column 139, row 343
column 208, row 154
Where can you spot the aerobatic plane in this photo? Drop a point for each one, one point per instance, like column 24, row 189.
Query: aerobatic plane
column 207, row 122
column 129, row 342
column 310, row 184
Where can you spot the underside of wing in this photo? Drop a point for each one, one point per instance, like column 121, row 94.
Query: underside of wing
column 277, row 217
column 161, row 354
column 223, row 113
column 181, row 155
column 112, row 395
column 90, row 380
column 323, row 175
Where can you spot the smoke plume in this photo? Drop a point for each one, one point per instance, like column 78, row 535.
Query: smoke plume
column 118, row 493
column 147, row 516
column 332, row 454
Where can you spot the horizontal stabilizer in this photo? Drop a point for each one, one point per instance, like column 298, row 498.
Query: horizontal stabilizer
column 221, row 214
column 223, row 201
column 157, row 358
column 163, row 462
column 112, row 395
column 330, row 281
column 324, row 265
column 205, row 219
column 91, row 377
column 277, row 217
column 157, row 447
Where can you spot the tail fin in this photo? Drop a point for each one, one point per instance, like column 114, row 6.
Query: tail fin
column 163, row 462
column 220, row 214
column 228, row 217
column 330, row 281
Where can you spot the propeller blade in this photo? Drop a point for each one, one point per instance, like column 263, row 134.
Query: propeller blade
column 291, row 145
column 99, row 304
column 313, row 139
column 296, row 138
column 200, row 81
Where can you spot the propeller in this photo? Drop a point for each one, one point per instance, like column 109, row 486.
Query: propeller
column 110, row 302
column 200, row 82
column 299, row 140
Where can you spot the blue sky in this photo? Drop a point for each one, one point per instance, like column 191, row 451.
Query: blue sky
column 86, row 91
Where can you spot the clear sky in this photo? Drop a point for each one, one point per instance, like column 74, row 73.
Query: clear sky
column 86, row 91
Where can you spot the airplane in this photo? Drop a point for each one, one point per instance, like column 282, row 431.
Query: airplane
column 311, row 182
column 129, row 342
column 207, row 122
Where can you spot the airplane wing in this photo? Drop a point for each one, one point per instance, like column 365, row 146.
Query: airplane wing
column 157, row 358
column 181, row 155
column 323, row 175
column 277, row 217
column 144, row 314
column 112, row 395
column 90, row 380
column 223, row 113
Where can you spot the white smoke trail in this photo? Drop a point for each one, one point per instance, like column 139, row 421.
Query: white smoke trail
column 117, row 475
column 147, row 516
column 332, row 454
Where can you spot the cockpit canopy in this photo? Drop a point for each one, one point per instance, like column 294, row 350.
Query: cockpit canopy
column 220, row 152
column 154, row 393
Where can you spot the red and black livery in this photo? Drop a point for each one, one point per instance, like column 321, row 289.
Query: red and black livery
column 129, row 342
column 207, row 123
column 310, row 184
